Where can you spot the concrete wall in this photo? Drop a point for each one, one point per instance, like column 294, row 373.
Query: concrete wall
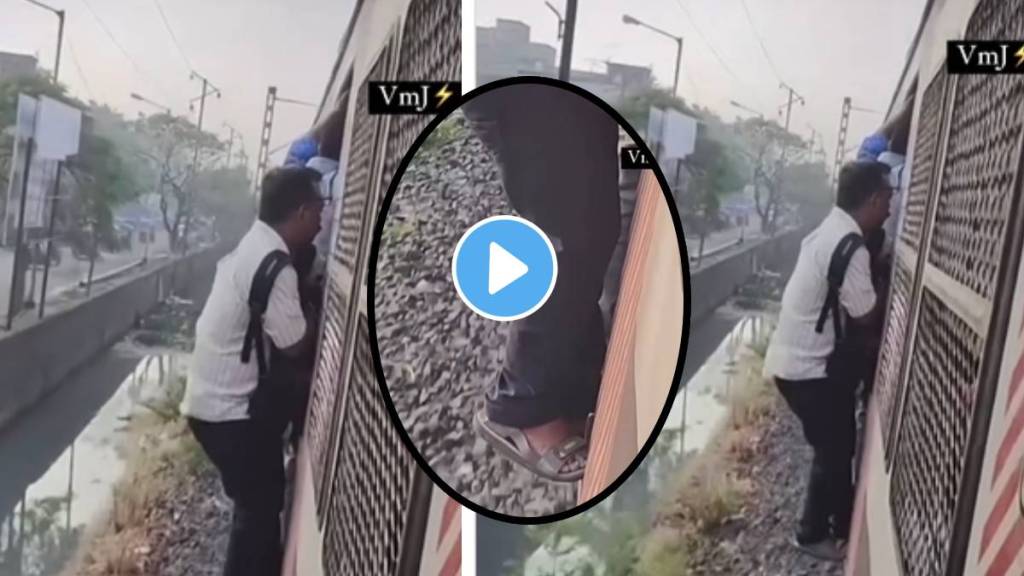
column 34, row 360
column 713, row 284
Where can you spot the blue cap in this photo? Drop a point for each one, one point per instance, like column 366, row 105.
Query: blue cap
column 301, row 151
column 871, row 147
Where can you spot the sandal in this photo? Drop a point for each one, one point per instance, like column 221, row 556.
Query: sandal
column 512, row 443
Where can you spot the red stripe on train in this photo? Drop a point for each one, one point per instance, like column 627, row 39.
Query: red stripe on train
column 1006, row 497
column 450, row 508
column 453, row 564
column 1015, row 381
column 1008, row 551
column 1012, row 434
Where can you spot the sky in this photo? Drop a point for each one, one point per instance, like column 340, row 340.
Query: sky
column 115, row 47
column 824, row 49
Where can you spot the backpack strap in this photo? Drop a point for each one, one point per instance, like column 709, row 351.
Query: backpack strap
column 836, row 273
column 259, row 298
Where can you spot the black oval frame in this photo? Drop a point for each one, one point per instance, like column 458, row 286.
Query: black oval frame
column 372, row 320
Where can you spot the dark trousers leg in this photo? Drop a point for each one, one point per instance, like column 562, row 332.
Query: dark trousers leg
column 558, row 158
column 249, row 460
column 825, row 408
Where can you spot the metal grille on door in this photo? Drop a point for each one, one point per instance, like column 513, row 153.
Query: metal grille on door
column 962, row 238
column 335, row 345
column 432, row 33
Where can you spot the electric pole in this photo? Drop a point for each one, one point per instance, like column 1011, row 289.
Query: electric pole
column 208, row 89
column 789, row 102
column 844, row 122
column 569, row 33
column 231, row 142
column 268, row 122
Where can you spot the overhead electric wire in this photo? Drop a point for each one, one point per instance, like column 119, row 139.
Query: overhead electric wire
column 693, row 21
column 120, row 47
column 714, row 51
column 760, row 41
column 170, row 31
column 78, row 68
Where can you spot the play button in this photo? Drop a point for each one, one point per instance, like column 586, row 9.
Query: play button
column 504, row 268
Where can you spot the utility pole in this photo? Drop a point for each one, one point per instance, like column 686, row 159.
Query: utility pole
column 561, row 21
column 789, row 102
column 844, row 122
column 268, row 123
column 208, row 89
column 60, row 33
column 231, row 142
column 567, row 39
column 785, row 147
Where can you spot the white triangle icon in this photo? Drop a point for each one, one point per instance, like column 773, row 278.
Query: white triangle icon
column 503, row 268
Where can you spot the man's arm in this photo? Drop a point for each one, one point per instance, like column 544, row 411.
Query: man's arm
column 284, row 322
column 857, row 294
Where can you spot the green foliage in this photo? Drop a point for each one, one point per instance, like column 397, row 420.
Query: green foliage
column 612, row 537
column 448, row 131
column 715, row 173
column 179, row 153
column 104, row 181
column 637, row 110
column 663, row 553
column 103, row 177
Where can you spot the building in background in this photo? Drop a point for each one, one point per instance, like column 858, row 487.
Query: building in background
column 13, row 65
column 505, row 50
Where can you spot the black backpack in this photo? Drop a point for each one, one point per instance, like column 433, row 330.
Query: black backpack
column 266, row 402
column 842, row 360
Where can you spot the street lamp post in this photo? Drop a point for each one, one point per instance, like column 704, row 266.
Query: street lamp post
column 60, row 33
column 141, row 98
column 747, row 108
column 30, row 302
column 626, row 18
column 561, row 21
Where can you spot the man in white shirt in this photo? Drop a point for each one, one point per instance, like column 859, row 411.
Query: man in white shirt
column 798, row 358
column 247, row 453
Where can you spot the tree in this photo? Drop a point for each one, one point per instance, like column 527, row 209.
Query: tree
column 714, row 174
column 637, row 109
column 179, row 152
column 104, row 180
column 224, row 195
column 808, row 189
column 766, row 145
column 100, row 176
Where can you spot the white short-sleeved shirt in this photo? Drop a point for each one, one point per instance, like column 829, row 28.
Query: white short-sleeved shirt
column 796, row 351
column 219, row 384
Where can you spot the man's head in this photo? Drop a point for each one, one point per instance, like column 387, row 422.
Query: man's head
column 864, row 193
column 291, row 203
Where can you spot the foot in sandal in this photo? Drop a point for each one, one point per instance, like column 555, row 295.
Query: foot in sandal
column 553, row 450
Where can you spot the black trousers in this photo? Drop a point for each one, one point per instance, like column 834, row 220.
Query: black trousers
column 558, row 156
column 825, row 407
column 250, row 461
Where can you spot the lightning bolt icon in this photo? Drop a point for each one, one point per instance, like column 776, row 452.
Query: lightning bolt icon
column 1020, row 55
column 444, row 94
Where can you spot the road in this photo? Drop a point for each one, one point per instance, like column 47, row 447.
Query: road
column 71, row 271
column 722, row 239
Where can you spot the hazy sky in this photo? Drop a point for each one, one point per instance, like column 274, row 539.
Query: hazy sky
column 241, row 46
column 824, row 49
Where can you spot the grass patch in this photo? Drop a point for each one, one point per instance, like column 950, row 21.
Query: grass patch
column 713, row 487
column 161, row 456
column 452, row 129
column 663, row 553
